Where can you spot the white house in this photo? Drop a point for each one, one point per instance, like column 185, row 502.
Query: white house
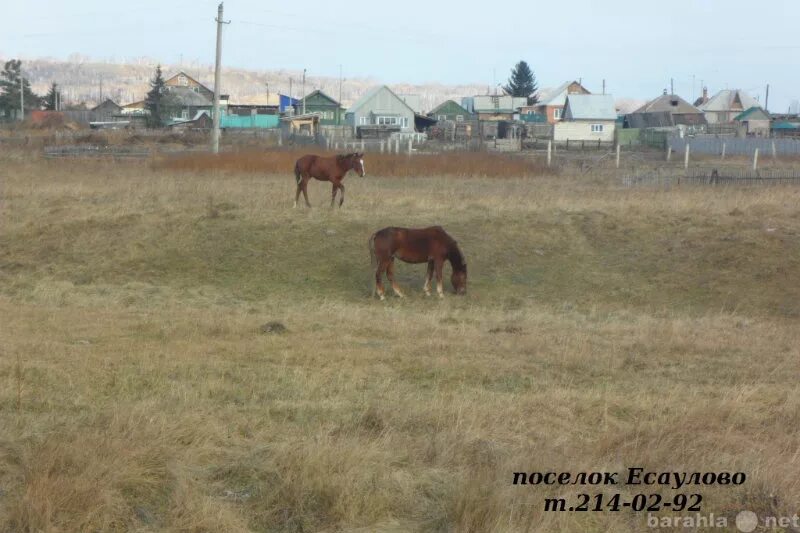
column 587, row 117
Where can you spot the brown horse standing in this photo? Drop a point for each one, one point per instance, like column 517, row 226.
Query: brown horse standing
column 330, row 169
column 427, row 245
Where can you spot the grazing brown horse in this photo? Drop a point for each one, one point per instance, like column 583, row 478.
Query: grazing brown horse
column 330, row 169
column 427, row 245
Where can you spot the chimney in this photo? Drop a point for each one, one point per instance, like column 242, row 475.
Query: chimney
column 665, row 92
column 705, row 93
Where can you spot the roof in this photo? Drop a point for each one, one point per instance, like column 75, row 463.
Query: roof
column 505, row 103
column 105, row 103
column 320, row 93
column 785, row 126
column 670, row 103
column 590, row 107
column 557, row 96
column 366, row 97
column 182, row 73
column 445, row 103
column 725, row 99
column 754, row 113
column 266, row 100
column 187, row 96
column 414, row 101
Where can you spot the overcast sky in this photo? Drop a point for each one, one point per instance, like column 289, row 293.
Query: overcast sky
column 635, row 45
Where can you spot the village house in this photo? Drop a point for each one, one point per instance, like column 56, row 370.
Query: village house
column 450, row 110
column 181, row 79
column 668, row 110
column 494, row 107
column 755, row 122
column 553, row 102
column 724, row 106
column 380, row 112
column 587, row 117
column 330, row 111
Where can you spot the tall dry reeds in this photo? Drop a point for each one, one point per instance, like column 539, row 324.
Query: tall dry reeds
column 472, row 164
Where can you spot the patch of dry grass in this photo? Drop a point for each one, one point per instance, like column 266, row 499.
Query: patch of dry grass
column 386, row 165
column 604, row 328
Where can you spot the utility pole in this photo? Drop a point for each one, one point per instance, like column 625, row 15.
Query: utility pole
column 21, row 97
column 604, row 86
column 304, row 91
column 766, row 100
column 101, row 89
column 339, row 111
column 217, row 68
column 671, row 86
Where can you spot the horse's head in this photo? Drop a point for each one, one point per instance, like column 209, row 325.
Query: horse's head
column 358, row 163
column 459, row 280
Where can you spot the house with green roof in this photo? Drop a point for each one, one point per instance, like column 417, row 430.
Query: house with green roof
column 754, row 122
column 330, row 111
column 450, row 110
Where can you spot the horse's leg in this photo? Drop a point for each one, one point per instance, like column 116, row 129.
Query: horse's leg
column 428, row 277
column 437, row 266
column 304, row 184
column 341, row 196
column 390, row 275
column 379, row 278
column 333, row 192
column 297, row 194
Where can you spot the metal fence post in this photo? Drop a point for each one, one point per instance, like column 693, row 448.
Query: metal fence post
column 723, row 151
column 617, row 155
column 755, row 160
column 549, row 152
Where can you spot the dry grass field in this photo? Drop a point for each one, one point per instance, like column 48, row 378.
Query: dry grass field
column 603, row 328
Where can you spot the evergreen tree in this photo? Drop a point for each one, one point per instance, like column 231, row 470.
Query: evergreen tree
column 158, row 102
column 53, row 98
column 9, row 90
column 522, row 83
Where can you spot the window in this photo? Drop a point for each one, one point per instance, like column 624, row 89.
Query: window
column 363, row 120
column 557, row 113
column 183, row 81
column 459, row 118
column 388, row 121
column 405, row 122
column 185, row 114
column 597, row 128
column 441, row 117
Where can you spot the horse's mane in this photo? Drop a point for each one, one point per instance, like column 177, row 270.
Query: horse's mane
column 342, row 157
column 456, row 257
